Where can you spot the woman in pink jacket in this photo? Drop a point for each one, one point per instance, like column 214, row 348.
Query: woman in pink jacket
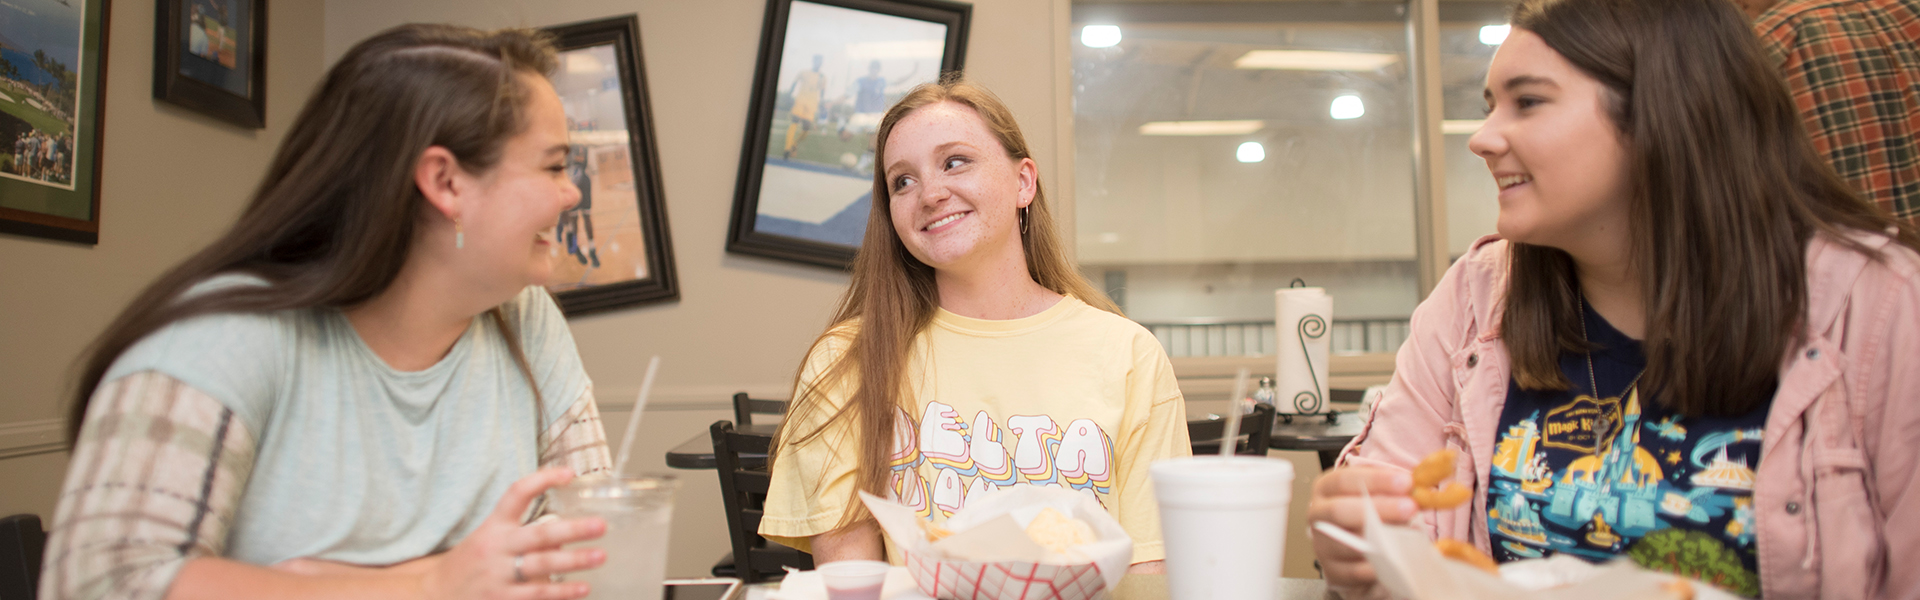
column 1691, row 345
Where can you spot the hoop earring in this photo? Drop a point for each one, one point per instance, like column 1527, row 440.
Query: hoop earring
column 1024, row 218
column 459, row 237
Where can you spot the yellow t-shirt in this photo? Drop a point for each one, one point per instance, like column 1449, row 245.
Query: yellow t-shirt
column 1075, row 397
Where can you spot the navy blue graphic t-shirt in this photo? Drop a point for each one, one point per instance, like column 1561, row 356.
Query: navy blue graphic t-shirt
column 1609, row 473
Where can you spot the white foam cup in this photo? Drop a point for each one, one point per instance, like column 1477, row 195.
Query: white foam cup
column 1224, row 522
column 854, row 579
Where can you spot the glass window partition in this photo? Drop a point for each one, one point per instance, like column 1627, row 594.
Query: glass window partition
column 1225, row 151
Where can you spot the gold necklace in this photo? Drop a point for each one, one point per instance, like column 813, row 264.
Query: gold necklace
column 1593, row 383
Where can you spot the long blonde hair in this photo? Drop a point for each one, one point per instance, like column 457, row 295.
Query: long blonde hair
column 893, row 297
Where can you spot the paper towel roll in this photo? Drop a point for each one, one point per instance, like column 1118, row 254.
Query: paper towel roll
column 1302, row 319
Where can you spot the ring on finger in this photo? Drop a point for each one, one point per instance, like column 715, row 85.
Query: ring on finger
column 518, row 575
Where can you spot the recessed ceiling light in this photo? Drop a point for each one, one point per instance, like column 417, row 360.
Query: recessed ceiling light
column 1251, row 152
column 1201, row 127
column 1347, row 107
column 1100, row 36
column 1494, row 35
column 1315, row 60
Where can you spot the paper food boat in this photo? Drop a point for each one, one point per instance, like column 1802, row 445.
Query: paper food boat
column 1411, row 569
column 990, row 557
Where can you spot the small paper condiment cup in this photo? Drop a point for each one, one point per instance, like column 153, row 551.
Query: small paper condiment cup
column 854, row 579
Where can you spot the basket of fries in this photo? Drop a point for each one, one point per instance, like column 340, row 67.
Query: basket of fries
column 1020, row 543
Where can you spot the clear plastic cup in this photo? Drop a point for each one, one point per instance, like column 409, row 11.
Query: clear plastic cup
column 854, row 579
column 1224, row 522
column 638, row 511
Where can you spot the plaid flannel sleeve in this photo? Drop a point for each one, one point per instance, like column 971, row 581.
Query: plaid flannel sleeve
column 155, row 477
column 578, row 439
column 1854, row 72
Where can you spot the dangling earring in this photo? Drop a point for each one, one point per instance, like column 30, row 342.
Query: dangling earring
column 459, row 237
column 1024, row 218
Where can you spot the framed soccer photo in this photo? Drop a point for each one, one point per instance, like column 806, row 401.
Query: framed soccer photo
column 828, row 71
column 211, row 56
column 611, row 250
column 52, row 68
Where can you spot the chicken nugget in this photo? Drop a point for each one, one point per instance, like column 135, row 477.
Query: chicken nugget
column 1450, row 496
column 1466, row 553
column 934, row 532
column 1680, row 588
column 1435, row 468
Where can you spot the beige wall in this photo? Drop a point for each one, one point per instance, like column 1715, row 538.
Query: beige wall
column 742, row 323
column 172, row 179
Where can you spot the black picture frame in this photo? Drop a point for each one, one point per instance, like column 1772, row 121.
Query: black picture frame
column 51, row 125
column 792, row 207
column 211, row 56
column 613, row 155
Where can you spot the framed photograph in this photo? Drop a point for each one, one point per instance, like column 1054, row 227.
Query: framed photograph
column 211, row 56
column 52, row 76
column 611, row 250
column 828, row 71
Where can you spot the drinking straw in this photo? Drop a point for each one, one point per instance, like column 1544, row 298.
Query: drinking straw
column 1234, row 405
column 633, row 422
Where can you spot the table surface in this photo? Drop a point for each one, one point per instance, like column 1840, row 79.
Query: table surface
column 697, row 453
column 1145, row 587
column 1309, row 432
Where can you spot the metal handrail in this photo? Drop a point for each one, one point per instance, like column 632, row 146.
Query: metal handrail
column 1204, row 336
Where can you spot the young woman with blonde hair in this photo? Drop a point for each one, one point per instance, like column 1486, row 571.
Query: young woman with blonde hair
column 968, row 355
column 1690, row 346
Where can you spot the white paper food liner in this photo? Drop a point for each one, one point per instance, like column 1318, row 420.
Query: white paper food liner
column 1111, row 554
column 1411, row 569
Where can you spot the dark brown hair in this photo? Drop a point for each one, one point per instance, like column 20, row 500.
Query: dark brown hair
column 334, row 218
column 1726, row 193
column 893, row 297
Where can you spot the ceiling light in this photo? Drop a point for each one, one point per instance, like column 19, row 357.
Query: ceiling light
column 1460, row 126
column 1347, row 107
column 1314, row 60
column 1201, row 127
column 1251, row 152
column 1493, row 35
column 1100, row 36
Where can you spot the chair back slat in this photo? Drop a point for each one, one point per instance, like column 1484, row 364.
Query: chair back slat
column 1256, row 433
column 743, row 486
column 745, row 408
column 22, row 543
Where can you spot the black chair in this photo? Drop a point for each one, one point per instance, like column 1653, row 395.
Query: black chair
column 744, row 488
column 22, row 543
column 745, row 408
column 1256, row 431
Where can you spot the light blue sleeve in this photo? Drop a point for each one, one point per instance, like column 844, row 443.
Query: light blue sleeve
column 550, row 351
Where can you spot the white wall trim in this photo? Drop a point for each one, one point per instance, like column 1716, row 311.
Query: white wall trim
column 26, row 438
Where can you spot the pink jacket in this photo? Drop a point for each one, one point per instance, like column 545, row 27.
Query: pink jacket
column 1836, row 492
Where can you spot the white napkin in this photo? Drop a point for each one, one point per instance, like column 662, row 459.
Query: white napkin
column 1303, row 319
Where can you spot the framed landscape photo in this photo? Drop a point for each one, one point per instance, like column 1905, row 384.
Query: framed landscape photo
column 828, row 71
column 52, row 67
column 211, row 56
column 611, row 250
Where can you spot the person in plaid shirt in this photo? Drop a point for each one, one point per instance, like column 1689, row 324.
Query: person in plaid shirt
column 360, row 389
column 1854, row 69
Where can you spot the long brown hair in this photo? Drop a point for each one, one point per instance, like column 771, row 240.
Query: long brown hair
column 1726, row 193
column 893, row 297
column 334, row 218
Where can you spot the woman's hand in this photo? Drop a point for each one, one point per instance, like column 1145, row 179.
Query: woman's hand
column 1337, row 500
column 505, row 560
